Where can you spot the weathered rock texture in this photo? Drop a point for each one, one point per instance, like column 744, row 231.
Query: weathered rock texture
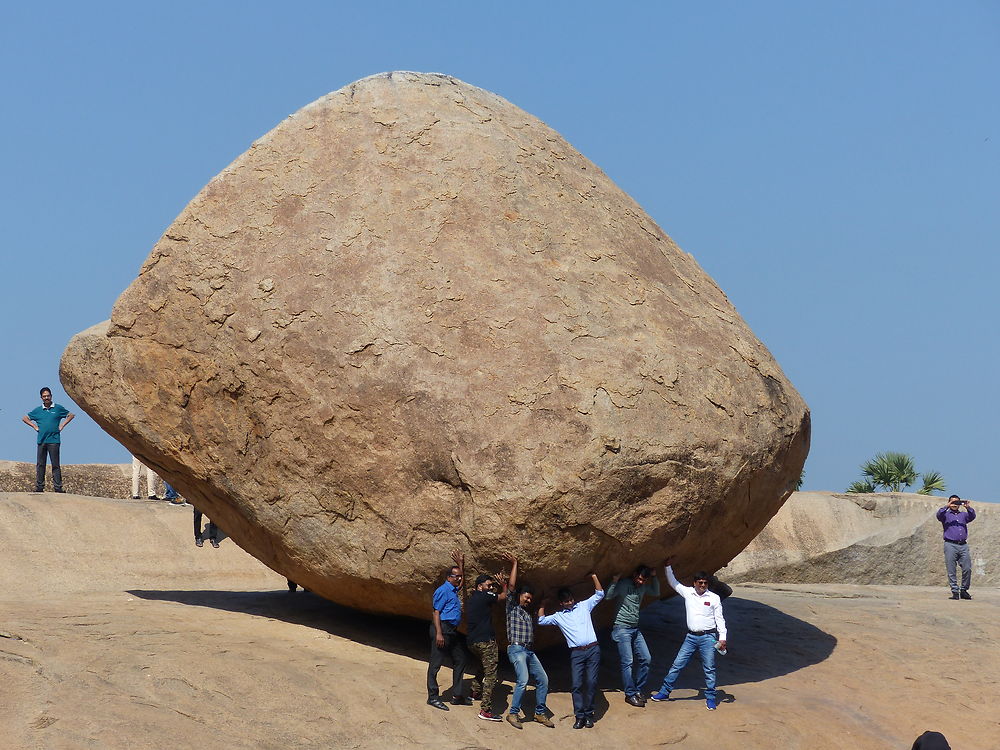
column 883, row 538
column 413, row 318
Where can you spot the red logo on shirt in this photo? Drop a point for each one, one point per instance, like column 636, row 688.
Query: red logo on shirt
column 708, row 604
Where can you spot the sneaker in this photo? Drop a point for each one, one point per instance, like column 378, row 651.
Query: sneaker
column 477, row 695
column 514, row 720
column 199, row 542
column 710, row 704
column 153, row 497
column 215, row 543
column 954, row 595
column 965, row 594
column 435, row 700
column 660, row 696
column 545, row 721
column 135, row 497
column 487, row 716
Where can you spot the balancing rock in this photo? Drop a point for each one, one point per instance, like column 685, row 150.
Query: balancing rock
column 412, row 319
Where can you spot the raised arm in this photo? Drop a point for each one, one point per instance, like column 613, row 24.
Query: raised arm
column 597, row 582
column 671, row 579
column 613, row 588
column 512, row 583
column 459, row 557
column 501, row 578
column 654, row 585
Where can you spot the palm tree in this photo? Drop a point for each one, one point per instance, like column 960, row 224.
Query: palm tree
column 861, row 486
column 894, row 472
column 891, row 470
column 933, row 482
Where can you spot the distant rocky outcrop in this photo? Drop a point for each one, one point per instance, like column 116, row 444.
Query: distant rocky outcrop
column 881, row 538
column 413, row 318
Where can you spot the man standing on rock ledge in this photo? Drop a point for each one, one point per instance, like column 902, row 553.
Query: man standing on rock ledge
column 48, row 421
column 955, row 517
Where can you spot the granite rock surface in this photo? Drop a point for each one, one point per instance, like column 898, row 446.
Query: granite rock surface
column 412, row 318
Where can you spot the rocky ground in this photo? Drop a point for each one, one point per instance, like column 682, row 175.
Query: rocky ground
column 117, row 632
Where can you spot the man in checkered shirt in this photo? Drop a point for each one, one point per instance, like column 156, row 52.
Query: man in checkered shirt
column 521, row 637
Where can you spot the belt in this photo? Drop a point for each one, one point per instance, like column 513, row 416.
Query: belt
column 522, row 645
column 952, row 542
column 703, row 632
column 583, row 648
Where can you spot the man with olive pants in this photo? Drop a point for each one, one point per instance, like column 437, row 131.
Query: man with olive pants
column 955, row 517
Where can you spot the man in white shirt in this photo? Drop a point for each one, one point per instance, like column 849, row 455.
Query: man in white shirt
column 706, row 632
column 585, row 655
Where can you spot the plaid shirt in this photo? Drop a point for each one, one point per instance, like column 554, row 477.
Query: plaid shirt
column 520, row 626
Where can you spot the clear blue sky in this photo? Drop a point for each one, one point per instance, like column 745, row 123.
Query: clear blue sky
column 834, row 166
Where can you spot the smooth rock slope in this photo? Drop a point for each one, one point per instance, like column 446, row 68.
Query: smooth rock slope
column 882, row 538
column 413, row 318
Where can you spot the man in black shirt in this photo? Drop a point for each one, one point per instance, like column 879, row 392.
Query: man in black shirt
column 482, row 640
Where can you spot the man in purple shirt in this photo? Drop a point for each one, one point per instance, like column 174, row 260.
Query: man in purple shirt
column 955, row 517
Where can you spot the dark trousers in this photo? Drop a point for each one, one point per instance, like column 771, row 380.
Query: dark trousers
column 454, row 646
column 52, row 451
column 212, row 530
column 583, row 665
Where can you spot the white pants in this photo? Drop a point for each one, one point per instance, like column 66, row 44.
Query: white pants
column 150, row 478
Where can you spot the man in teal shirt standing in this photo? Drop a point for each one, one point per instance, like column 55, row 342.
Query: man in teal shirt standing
column 48, row 420
column 625, row 632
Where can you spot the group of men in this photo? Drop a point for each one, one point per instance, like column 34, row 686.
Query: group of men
column 706, row 636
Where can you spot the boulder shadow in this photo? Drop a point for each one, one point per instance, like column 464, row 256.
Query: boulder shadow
column 764, row 643
column 404, row 636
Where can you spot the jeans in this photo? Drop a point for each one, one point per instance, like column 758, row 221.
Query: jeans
column 583, row 664
column 52, row 451
column 705, row 646
column 525, row 662
column 169, row 493
column 630, row 641
column 958, row 554
column 454, row 646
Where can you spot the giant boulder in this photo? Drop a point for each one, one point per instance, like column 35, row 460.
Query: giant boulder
column 412, row 318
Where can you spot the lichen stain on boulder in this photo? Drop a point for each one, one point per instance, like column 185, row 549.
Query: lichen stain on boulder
column 413, row 318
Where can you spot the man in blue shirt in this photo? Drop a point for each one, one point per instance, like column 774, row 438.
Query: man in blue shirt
column 585, row 655
column 48, row 420
column 445, row 638
column 955, row 518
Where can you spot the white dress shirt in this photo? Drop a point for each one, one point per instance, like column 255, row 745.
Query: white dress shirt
column 704, row 612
